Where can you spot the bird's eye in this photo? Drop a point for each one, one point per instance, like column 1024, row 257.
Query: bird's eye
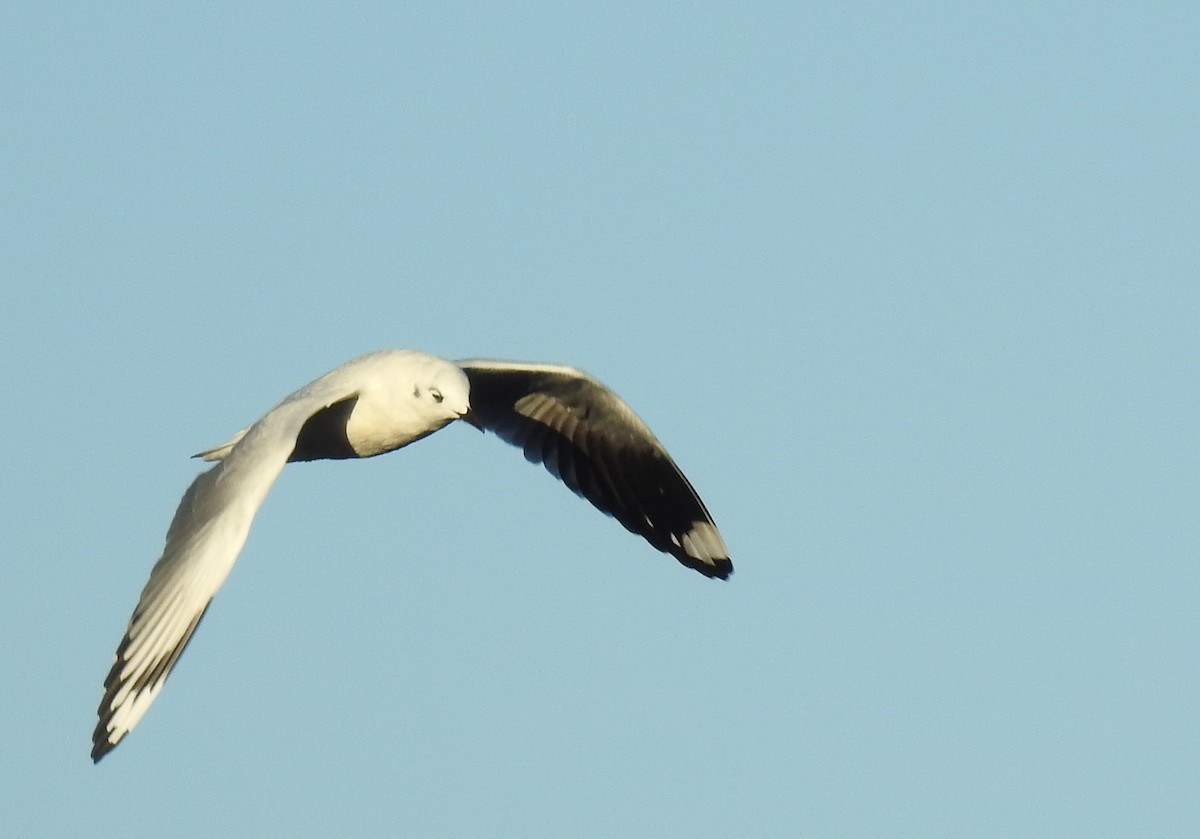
column 436, row 394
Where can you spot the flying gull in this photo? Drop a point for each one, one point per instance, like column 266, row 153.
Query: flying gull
column 581, row 431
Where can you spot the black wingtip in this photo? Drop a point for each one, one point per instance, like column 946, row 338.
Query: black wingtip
column 715, row 569
column 100, row 748
column 101, row 745
column 720, row 569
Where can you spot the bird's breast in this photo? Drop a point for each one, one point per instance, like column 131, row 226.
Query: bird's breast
column 371, row 429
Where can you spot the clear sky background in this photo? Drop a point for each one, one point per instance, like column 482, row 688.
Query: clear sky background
column 910, row 291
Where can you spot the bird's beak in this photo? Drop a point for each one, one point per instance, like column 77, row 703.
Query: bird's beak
column 471, row 417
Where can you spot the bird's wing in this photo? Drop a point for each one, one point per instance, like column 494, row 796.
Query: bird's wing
column 203, row 542
column 588, row 438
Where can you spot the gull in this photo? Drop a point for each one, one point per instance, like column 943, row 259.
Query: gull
column 581, row 431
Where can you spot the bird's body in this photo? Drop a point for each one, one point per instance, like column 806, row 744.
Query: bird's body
column 581, row 431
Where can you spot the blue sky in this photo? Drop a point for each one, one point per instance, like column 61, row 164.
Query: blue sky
column 909, row 291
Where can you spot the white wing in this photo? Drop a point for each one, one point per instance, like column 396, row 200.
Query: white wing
column 587, row 437
column 203, row 542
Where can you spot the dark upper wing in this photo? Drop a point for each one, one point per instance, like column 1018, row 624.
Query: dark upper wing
column 593, row 442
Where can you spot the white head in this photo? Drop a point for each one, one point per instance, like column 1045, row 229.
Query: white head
column 404, row 395
column 441, row 389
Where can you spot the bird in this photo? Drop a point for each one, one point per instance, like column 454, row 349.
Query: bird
column 579, row 429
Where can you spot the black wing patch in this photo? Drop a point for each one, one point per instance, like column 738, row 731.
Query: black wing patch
column 590, row 440
column 323, row 435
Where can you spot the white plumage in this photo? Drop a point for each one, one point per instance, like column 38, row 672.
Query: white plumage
column 580, row 430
